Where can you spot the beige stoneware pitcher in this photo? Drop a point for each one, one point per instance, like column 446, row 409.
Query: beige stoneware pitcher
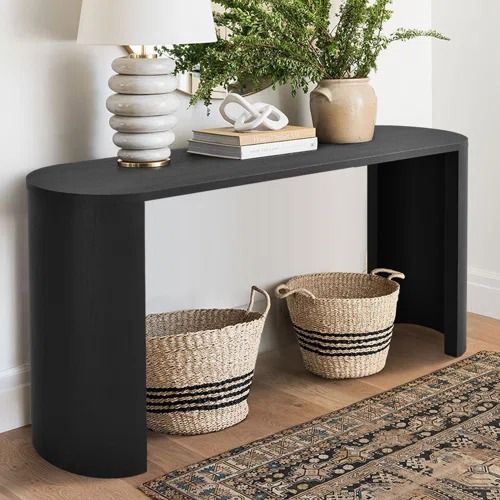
column 344, row 111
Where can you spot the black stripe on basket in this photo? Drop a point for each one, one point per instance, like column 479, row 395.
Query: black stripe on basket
column 194, row 398
column 344, row 335
column 194, row 403
column 164, row 393
column 157, row 395
column 335, row 348
column 318, row 338
column 201, row 407
column 344, row 354
column 212, row 385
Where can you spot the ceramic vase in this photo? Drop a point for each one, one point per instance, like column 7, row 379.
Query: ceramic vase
column 344, row 111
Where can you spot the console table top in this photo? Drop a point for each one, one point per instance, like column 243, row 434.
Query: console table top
column 191, row 174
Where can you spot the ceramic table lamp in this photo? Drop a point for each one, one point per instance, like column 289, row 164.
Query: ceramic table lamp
column 144, row 86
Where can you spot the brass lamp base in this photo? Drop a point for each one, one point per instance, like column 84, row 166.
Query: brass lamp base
column 145, row 164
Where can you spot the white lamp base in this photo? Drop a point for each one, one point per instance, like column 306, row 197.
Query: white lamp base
column 143, row 107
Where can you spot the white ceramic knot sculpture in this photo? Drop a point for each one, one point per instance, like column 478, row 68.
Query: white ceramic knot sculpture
column 257, row 116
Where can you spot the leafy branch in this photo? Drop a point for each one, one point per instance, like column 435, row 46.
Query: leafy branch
column 291, row 41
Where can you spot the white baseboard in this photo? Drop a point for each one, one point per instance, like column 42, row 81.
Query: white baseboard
column 484, row 292
column 14, row 397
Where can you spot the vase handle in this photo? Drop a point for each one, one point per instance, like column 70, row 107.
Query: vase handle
column 324, row 92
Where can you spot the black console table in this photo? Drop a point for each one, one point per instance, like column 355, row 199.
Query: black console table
column 87, row 272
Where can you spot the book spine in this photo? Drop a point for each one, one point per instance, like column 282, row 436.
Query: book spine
column 261, row 138
column 278, row 148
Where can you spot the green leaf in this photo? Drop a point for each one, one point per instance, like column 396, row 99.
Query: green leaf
column 290, row 41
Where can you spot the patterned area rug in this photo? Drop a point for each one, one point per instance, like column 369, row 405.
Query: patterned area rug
column 436, row 437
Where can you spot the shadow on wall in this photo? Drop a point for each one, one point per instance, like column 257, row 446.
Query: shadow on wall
column 65, row 97
column 15, row 276
column 58, row 91
column 47, row 19
column 77, row 109
column 295, row 107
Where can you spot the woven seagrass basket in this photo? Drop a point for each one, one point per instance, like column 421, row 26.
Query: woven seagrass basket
column 200, row 366
column 343, row 321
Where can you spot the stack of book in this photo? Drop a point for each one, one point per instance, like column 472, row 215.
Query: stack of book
column 227, row 143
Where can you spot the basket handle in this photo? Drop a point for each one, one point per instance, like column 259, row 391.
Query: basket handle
column 255, row 290
column 282, row 292
column 392, row 274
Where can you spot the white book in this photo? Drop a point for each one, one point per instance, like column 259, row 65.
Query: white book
column 252, row 151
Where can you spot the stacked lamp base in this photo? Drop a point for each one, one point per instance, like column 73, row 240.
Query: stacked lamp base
column 142, row 108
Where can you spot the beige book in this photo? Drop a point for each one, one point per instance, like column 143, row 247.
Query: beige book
column 229, row 137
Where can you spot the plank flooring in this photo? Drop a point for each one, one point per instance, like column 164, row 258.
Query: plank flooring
column 283, row 394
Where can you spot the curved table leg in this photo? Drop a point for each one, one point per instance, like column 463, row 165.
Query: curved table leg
column 417, row 224
column 87, row 327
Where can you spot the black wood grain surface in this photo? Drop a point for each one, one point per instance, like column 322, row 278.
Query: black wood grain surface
column 191, row 174
column 87, row 273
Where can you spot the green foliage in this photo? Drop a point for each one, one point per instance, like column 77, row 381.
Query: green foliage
column 291, row 41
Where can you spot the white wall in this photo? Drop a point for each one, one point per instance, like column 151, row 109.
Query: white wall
column 52, row 111
column 204, row 249
column 466, row 92
column 215, row 245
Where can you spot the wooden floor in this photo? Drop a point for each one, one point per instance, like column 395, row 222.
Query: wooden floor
column 283, row 395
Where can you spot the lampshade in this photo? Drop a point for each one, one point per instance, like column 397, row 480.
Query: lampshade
column 146, row 22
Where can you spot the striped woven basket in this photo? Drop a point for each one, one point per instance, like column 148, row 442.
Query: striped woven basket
column 343, row 321
column 200, row 367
